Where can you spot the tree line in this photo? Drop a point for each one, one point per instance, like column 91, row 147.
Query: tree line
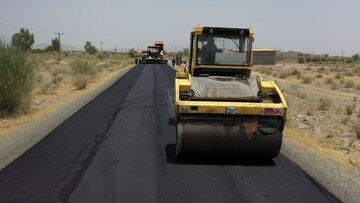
column 24, row 40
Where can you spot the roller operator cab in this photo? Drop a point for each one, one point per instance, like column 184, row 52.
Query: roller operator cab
column 220, row 109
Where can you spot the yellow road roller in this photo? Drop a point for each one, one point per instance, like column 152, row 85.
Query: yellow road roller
column 220, row 108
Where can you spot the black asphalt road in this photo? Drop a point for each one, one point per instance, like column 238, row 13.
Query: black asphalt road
column 120, row 148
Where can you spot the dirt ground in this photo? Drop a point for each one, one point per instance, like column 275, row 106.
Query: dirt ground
column 54, row 83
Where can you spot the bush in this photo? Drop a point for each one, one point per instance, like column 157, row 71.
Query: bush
column 348, row 60
column 23, row 39
column 133, row 53
column 350, row 109
column 306, row 80
column 349, row 84
column 16, row 79
column 357, row 130
column 49, row 48
column 82, row 72
column 101, row 56
column 318, row 76
column 283, row 75
column 56, row 44
column 349, row 73
column 295, row 72
column 355, row 57
column 301, row 60
column 338, row 76
column 317, row 59
column 57, row 79
column 47, row 88
column 89, row 48
column 324, row 104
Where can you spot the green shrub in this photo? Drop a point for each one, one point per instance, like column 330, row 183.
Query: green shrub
column 16, row 79
column 49, row 48
column 349, row 84
column 82, row 73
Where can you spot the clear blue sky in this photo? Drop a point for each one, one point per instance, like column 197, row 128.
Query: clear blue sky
column 309, row 26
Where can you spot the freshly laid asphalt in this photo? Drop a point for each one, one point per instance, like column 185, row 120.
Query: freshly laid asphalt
column 120, row 147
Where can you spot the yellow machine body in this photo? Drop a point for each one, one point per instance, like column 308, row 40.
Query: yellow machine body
column 220, row 109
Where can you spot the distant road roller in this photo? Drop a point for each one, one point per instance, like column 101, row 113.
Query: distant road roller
column 220, row 109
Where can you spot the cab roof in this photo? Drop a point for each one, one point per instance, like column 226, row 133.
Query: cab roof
column 223, row 30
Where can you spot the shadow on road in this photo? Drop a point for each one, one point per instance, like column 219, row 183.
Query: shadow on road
column 170, row 150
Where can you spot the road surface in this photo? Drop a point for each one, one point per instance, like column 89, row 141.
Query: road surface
column 120, row 147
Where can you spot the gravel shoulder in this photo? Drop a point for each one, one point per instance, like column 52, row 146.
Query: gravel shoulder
column 14, row 142
column 338, row 176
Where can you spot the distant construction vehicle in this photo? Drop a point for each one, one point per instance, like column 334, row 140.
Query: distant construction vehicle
column 219, row 108
column 154, row 54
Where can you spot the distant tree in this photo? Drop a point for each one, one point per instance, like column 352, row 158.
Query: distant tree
column 23, row 40
column 355, row 57
column 133, row 53
column 56, row 44
column 89, row 48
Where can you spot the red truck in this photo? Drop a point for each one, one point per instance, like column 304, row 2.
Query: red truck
column 154, row 54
